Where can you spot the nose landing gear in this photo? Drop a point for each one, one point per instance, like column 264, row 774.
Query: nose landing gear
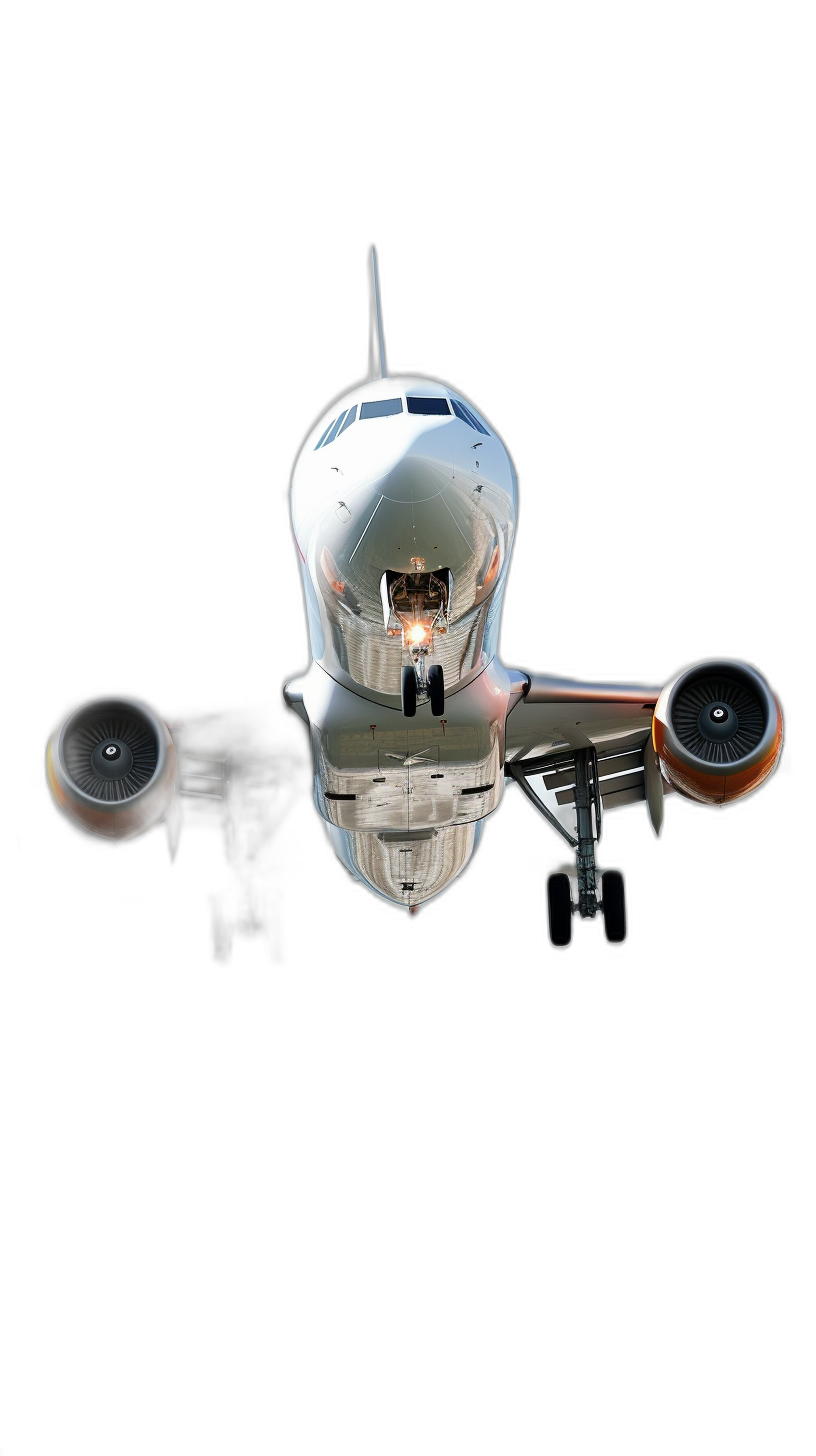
column 409, row 692
column 416, row 607
column 436, row 689
column 417, row 688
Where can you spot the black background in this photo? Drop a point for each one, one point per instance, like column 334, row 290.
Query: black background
column 615, row 321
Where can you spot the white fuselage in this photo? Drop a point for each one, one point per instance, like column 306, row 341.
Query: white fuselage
column 382, row 488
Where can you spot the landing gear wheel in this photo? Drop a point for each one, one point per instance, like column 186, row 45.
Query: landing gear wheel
column 614, row 905
column 436, row 689
column 219, row 925
column 559, row 908
column 276, row 928
column 409, row 692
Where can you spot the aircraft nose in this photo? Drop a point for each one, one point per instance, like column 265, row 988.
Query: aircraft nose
column 398, row 450
column 411, row 510
column 421, row 474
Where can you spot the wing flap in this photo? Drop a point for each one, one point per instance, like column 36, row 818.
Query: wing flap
column 611, row 788
column 623, row 773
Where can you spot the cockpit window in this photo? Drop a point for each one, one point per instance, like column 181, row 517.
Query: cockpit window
column 422, row 404
column 373, row 408
column 335, row 429
column 349, row 420
column 470, row 419
column 323, row 436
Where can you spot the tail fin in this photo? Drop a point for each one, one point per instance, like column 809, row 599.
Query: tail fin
column 376, row 340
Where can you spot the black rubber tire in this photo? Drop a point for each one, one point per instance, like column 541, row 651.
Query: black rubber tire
column 614, row 905
column 559, row 909
column 219, row 926
column 277, row 935
column 409, row 692
column 436, row 689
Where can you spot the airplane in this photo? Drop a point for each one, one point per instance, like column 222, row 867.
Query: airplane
column 404, row 508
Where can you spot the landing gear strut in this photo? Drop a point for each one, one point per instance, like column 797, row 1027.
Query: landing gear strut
column 588, row 808
column 244, row 910
column 219, row 928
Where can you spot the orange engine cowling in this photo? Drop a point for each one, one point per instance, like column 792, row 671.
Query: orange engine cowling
column 111, row 767
column 717, row 730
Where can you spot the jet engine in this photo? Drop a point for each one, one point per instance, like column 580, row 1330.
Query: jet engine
column 717, row 730
column 111, row 767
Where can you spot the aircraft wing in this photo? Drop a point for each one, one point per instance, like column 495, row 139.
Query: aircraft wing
column 557, row 717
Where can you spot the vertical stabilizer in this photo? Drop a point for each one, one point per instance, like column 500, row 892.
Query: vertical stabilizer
column 376, row 348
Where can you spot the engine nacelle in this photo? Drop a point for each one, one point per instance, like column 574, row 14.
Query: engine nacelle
column 717, row 730
column 112, row 768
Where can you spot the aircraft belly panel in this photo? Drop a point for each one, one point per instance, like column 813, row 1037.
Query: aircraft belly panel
column 408, row 869
column 406, row 796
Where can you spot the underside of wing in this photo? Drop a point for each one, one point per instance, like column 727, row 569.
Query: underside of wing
column 559, row 723
column 557, row 714
column 714, row 733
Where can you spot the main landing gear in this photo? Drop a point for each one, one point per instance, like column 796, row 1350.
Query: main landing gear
column 229, row 916
column 588, row 806
column 254, row 906
column 417, row 688
column 219, row 928
column 560, row 907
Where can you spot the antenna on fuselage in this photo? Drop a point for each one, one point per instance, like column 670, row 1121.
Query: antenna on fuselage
column 376, row 338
